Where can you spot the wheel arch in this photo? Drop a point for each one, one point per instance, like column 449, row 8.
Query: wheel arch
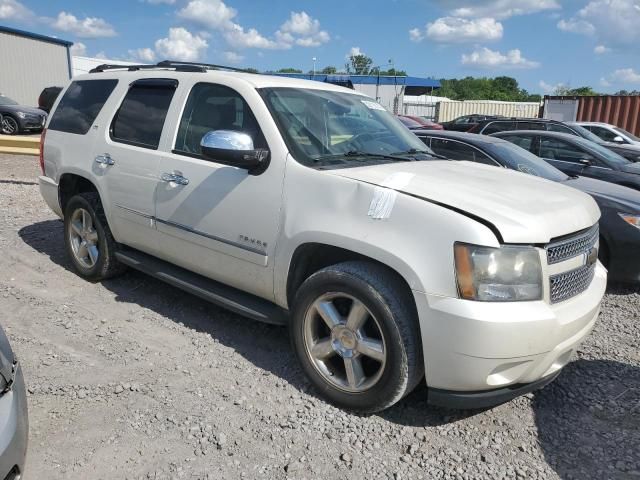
column 70, row 184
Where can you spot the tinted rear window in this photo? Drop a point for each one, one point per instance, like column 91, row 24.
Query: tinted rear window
column 140, row 119
column 80, row 105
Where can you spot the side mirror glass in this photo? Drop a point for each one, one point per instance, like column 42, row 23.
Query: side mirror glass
column 235, row 149
column 618, row 139
column 587, row 162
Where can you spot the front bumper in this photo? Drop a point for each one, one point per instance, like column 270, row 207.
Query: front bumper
column 14, row 427
column 482, row 346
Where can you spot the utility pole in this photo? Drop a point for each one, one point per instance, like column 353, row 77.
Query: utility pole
column 314, row 66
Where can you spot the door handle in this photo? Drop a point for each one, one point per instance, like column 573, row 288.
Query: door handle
column 105, row 159
column 174, row 177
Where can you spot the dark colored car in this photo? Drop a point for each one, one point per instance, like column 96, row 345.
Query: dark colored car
column 48, row 97
column 467, row 122
column 630, row 152
column 14, row 426
column 620, row 206
column 577, row 156
column 18, row 118
column 413, row 122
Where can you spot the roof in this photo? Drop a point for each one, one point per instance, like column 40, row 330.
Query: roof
column 35, row 36
column 472, row 138
column 254, row 79
column 416, row 85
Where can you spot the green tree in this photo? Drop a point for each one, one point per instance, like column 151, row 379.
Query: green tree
column 359, row 64
column 504, row 89
column 289, row 70
column 251, row 70
column 392, row 72
column 329, row 70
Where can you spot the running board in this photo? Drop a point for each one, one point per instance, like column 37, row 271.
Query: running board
column 227, row 297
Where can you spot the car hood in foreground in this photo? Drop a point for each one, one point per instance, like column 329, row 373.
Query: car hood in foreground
column 524, row 209
column 606, row 193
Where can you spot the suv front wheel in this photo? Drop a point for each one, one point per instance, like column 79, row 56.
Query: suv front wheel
column 88, row 239
column 355, row 332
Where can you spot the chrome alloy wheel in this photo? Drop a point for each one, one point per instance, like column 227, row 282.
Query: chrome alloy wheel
column 9, row 126
column 344, row 342
column 83, row 238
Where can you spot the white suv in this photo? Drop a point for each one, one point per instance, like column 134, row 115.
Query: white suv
column 307, row 204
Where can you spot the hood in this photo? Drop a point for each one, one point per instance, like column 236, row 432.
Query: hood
column 606, row 194
column 21, row 108
column 523, row 208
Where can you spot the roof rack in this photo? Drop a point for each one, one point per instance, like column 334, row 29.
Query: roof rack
column 178, row 66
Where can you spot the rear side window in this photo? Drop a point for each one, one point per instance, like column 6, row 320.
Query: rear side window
column 523, row 141
column 80, row 105
column 140, row 118
column 459, row 151
column 495, row 127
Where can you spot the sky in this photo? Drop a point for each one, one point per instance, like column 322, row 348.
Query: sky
column 542, row 43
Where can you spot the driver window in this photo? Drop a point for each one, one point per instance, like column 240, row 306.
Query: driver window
column 553, row 149
column 215, row 107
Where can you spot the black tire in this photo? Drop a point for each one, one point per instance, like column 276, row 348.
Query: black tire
column 390, row 302
column 107, row 265
column 9, row 125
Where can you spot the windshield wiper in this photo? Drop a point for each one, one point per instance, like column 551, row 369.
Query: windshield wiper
column 413, row 151
column 356, row 153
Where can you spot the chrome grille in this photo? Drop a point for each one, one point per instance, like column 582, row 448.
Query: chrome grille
column 573, row 246
column 569, row 284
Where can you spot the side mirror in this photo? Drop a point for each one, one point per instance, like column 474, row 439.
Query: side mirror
column 234, row 149
column 587, row 162
column 618, row 139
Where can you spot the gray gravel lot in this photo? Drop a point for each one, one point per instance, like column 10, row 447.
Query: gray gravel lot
column 130, row 378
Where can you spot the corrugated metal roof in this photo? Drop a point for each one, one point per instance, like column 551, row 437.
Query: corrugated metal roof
column 35, row 36
column 367, row 79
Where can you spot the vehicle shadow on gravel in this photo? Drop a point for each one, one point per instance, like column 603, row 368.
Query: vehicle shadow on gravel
column 588, row 420
column 265, row 346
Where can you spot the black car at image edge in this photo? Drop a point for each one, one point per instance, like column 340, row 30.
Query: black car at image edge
column 620, row 206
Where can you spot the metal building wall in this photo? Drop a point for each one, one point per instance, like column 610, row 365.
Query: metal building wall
column 621, row 111
column 28, row 65
column 449, row 110
column 389, row 96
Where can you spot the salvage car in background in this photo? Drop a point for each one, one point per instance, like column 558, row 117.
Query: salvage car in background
column 14, row 422
column 620, row 206
column 413, row 122
column 610, row 133
column 467, row 122
column 18, row 118
column 577, row 156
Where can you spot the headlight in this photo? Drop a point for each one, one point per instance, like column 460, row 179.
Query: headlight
column 505, row 274
column 631, row 219
column 22, row 115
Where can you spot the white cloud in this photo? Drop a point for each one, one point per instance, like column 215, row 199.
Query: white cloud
column 491, row 59
column 613, row 23
column 145, row 55
column 233, row 57
column 181, row 45
column 624, row 75
column 415, row 34
column 79, row 49
column 214, row 14
column 354, row 52
column 237, row 37
column 500, row 9
column 548, row 88
column 462, row 30
column 89, row 27
column 601, row 49
column 303, row 30
column 14, row 10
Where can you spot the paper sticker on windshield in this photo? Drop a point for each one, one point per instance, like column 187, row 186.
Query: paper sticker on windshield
column 372, row 105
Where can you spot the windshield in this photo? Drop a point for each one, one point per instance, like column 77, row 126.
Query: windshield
column 518, row 158
column 7, row 101
column 325, row 128
column 584, row 133
column 628, row 134
column 608, row 156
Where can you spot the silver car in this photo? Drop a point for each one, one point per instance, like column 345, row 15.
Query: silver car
column 14, row 423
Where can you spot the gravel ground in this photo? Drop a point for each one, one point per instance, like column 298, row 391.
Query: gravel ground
column 130, row 378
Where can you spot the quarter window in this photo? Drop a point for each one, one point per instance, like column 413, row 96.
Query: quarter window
column 215, row 107
column 80, row 105
column 140, row 119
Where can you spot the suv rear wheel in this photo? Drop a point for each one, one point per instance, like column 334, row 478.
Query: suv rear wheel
column 88, row 240
column 355, row 332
